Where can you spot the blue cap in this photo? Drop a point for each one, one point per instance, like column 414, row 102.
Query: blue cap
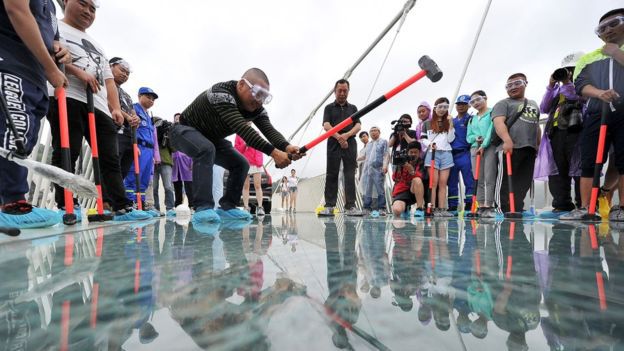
column 146, row 90
column 463, row 99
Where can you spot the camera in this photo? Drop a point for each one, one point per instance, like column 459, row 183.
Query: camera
column 400, row 125
column 560, row 74
column 400, row 157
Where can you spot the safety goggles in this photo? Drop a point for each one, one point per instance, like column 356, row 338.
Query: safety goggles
column 612, row 23
column 259, row 93
column 476, row 100
column 441, row 107
column 515, row 84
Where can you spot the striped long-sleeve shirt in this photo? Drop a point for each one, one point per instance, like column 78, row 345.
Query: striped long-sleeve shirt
column 218, row 113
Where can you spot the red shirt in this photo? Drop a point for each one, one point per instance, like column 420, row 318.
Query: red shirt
column 403, row 179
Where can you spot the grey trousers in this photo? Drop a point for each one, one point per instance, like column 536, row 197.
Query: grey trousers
column 487, row 175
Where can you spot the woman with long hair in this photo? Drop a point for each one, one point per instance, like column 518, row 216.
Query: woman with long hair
column 284, row 192
column 438, row 133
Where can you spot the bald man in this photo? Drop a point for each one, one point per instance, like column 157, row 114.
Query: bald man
column 217, row 113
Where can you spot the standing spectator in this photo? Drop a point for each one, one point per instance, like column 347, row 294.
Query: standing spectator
column 148, row 152
column 182, row 174
column 461, row 156
column 520, row 139
column 28, row 34
column 293, row 182
column 592, row 80
column 424, row 114
column 254, row 157
column 223, row 110
column 376, row 158
column 438, row 134
column 480, row 136
column 121, row 73
column 284, row 192
column 341, row 147
column 164, row 170
column 400, row 140
column 563, row 128
column 408, row 184
column 360, row 160
column 90, row 68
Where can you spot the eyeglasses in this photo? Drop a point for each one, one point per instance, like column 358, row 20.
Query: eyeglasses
column 476, row 100
column 259, row 93
column 612, row 23
column 442, row 107
column 515, row 84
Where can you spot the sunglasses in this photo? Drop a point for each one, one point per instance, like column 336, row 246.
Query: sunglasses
column 259, row 93
column 612, row 23
column 442, row 107
column 515, row 84
column 476, row 100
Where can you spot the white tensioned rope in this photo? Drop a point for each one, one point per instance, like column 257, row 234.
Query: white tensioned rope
column 383, row 63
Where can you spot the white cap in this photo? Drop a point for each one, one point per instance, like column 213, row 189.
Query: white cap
column 571, row 59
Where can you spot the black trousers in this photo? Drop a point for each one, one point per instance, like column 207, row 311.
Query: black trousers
column 188, row 189
column 335, row 155
column 522, row 165
column 126, row 153
column 113, row 190
column 560, row 185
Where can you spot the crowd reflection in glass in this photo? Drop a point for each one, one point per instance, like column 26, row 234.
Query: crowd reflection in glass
column 97, row 290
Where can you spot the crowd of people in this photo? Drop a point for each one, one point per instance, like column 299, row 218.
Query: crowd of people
column 190, row 155
column 502, row 137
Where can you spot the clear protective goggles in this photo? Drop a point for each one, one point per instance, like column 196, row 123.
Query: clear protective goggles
column 441, row 107
column 259, row 93
column 612, row 23
column 515, row 84
column 476, row 100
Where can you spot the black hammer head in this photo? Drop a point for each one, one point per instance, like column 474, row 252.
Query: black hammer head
column 433, row 71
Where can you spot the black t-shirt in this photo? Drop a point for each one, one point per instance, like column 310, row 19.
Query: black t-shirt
column 15, row 57
column 402, row 144
column 335, row 113
column 127, row 106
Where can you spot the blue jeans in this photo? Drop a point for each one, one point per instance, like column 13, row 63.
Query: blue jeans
column 205, row 154
column 377, row 180
column 462, row 165
column 165, row 172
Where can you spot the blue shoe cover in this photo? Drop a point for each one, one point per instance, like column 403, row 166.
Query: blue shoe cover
column 235, row 225
column 234, row 214
column 419, row 213
column 205, row 216
column 211, row 229
column 375, row 214
column 135, row 215
column 171, row 213
column 154, row 213
column 37, row 218
column 552, row 215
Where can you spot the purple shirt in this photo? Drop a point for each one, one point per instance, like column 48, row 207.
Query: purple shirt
column 182, row 167
column 552, row 92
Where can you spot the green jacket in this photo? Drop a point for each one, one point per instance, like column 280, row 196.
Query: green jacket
column 165, row 156
column 480, row 126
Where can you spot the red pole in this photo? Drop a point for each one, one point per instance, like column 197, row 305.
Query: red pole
column 69, row 218
column 137, row 171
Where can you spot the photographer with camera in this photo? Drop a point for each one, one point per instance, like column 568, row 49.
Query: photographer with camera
column 408, row 184
column 374, row 169
column 402, row 135
column 563, row 127
column 438, row 134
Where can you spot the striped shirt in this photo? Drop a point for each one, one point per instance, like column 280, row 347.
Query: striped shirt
column 218, row 113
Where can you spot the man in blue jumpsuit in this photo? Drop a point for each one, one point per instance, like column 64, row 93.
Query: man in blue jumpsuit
column 145, row 141
column 461, row 156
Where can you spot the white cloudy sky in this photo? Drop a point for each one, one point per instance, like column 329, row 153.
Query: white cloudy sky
column 180, row 48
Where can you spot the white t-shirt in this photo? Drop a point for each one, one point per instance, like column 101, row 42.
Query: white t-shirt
column 292, row 182
column 88, row 56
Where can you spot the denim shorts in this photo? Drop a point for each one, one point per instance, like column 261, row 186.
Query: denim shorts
column 443, row 159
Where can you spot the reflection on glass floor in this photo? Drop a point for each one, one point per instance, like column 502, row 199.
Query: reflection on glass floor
column 297, row 282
